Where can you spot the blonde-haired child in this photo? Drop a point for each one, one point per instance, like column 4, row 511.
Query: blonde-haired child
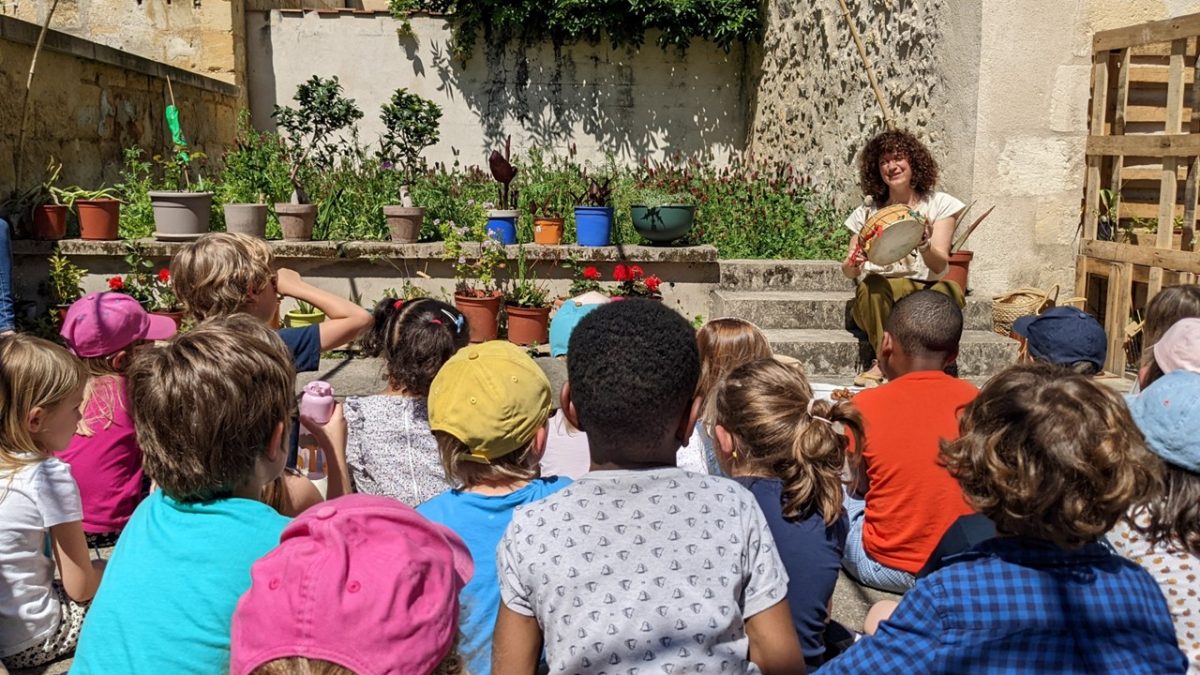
column 103, row 329
column 724, row 344
column 41, row 389
column 788, row 449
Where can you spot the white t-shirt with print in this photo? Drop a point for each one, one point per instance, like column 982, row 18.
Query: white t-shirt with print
column 1178, row 575
column 650, row 570
column 934, row 206
column 33, row 499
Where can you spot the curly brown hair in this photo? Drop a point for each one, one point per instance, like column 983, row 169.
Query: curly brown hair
column 1049, row 454
column 1174, row 520
column 899, row 142
column 414, row 337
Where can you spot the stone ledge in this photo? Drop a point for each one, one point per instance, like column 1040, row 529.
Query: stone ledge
column 328, row 250
column 26, row 33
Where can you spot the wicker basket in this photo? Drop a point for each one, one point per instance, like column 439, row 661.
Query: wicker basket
column 1010, row 306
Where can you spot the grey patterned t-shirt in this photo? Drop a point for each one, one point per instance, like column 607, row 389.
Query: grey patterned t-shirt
column 650, row 571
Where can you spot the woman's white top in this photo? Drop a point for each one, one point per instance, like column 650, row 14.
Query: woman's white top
column 934, row 206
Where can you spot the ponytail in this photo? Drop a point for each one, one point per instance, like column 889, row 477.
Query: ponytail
column 781, row 430
column 414, row 337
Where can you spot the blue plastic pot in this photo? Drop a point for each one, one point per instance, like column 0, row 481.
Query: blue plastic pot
column 502, row 226
column 593, row 225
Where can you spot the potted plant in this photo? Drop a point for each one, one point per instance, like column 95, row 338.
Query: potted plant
column 139, row 282
column 165, row 302
column 547, row 222
column 527, row 305
column 253, row 171
column 411, row 125
column 99, row 211
column 65, row 284
column 632, row 282
column 502, row 220
column 594, row 213
column 475, row 292
column 181, row 213
column 304, row 315
column 312, row 129
column 49, row 214
column 662, row 216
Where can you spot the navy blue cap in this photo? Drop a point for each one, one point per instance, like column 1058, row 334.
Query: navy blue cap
column 1063, row 336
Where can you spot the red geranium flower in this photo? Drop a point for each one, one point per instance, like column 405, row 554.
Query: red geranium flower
column 591, row 272
column 164, row 275
column 116, row 283
column 621, row 273
column 636, row 272
column 653, row 282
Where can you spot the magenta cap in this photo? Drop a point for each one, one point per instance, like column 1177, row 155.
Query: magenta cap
column 99, row 324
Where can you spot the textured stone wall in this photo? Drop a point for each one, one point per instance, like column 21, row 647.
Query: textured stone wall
column 90, row 102
column 811, row 102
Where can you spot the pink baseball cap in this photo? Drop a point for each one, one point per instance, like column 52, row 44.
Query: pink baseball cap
column 361, row 581
column 1179, row 347
column 99, row 324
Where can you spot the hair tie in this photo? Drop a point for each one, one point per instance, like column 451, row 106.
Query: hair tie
column 458, row 321
column 837, row 427
column 436, row 322
column 397, row 304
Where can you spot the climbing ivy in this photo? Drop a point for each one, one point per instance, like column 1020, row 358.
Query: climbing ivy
column 624, row 22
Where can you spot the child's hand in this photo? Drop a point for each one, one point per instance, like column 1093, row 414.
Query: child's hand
column 321, row 432
column 288, row 282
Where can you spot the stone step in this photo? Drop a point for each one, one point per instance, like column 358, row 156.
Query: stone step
column 830, row 353
column 795, row 275
column 814, row 309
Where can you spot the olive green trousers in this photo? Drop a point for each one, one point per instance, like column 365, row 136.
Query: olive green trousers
column 875, row 296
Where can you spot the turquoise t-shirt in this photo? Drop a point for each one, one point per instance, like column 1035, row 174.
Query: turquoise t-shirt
column 167, row 598
column 481, row 521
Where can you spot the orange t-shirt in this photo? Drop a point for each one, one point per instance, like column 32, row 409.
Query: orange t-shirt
column 911, row 500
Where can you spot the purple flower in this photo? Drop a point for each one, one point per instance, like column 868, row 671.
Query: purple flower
column 387, row 164
column 462, row 260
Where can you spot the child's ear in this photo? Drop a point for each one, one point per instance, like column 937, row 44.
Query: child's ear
column 36, row 419
column 539, row 443
column 568, row 407
column 275, row 449
column 688, row 422
column 887, row 346
column 1143, row 375
column 120, row 360
column 724, row 440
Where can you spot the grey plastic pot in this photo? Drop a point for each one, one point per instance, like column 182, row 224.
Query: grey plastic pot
column 181, row 216
column 248, row 219
column 404, row 222
column 296, row 220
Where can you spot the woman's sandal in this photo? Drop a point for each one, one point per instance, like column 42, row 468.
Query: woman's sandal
column 868, row 379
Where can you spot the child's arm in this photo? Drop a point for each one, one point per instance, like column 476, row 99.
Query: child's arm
column 345, row 320
column 517, row 643
column 774, row 647
column 80, row 574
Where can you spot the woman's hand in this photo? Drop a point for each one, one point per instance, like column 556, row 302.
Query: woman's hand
column 935, row 244
column 855, row 259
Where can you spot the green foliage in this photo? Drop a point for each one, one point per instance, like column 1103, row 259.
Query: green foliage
column 65, row 280
column 475, row 257
column 255, row 169
column 524, row 290
column 137, row 180
column 624, row 22
column 411, row 125
column 177, row 170
column 316, row 131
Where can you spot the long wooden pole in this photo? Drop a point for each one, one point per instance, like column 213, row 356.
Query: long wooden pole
column 862, row 53
column 37, row 50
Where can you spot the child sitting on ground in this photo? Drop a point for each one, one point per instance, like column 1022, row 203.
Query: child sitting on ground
column 1172, row 304
column 787, row 448
column 360, row 585
column 724, row 344
column 640, row 564
column 1177, row 349
column 1054, row 460
column 212, row 409
column 103, row 329
column 1064, row 336
column 488, row 408
column 901, row 501
column 389, row 447
column 1163, row 534
column 223, row 273
column 566, row 447
column 41, row 390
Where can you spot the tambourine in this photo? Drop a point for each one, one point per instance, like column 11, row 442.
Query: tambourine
column 892, row 233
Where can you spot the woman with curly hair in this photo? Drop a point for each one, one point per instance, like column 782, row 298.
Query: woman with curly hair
column 1054, row 460
column 896, row 168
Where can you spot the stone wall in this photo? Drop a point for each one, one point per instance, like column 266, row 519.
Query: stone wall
column 625, row 102
column 90, row 102
column 203, row 36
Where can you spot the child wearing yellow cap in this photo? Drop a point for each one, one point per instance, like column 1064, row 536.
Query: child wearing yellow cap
column 488, row 407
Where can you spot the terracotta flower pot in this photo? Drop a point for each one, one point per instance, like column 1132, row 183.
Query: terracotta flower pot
column 50, row 222
column 99, row 219
column 960, row 265
column 404, row 223
column 527, row 325
column 296, row 220
column 483, row 315
column 548, row 231
column 181, row 216
column 248, row 219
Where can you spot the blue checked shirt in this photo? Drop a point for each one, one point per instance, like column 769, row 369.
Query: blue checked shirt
column 1013, row 605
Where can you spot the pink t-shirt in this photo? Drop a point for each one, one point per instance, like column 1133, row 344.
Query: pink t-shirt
column 107, row 465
